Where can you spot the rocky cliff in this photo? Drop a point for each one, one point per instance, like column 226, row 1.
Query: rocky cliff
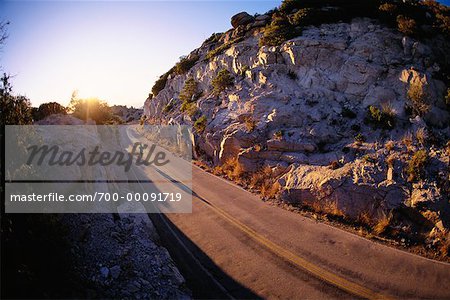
column 351, row 114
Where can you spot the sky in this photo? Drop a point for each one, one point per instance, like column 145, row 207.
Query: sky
column 112, row 50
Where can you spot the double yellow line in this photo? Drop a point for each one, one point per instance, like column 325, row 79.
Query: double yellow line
column 317, row 271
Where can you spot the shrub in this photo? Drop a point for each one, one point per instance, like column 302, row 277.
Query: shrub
column 407, row 139
column 222, row 81
column 388, row 8
column 14, row 110
column 302, row 17
column 160, row 84
column 185, row 64
column 384, row 118
column 214, row 38
column 47, row 109
column 422, row 136
column 389, row 145
column 93, row 109
column 406, row 25
column 383, row 223
column 443, row 23
column 190, row 92
column 277, row 33
column 190, row 108
column 419, row 99
column 200, row 124
column 416, row 165
column 265, row 181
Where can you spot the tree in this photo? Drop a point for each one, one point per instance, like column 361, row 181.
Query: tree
column 91, row 108
column 47, row 109
column 15, row 110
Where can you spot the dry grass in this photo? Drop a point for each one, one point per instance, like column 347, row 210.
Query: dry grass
column 383, row 223
column 407, row 139
column 389, row 145
column 422, row 136
column 265, row 181
column 364, row 218
column 390, row 160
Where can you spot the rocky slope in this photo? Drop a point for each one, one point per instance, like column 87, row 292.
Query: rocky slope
column 347, row 115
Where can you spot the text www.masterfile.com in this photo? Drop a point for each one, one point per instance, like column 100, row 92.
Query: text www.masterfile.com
column 97, row 197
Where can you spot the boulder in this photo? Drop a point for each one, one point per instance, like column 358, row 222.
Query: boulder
column 241, row 18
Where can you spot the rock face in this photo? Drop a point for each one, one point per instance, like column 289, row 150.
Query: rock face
column 127, row 114
column 241, row 18
column 304, row 102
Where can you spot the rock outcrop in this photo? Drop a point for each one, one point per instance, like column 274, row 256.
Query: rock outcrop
column 305, row 107
column 241, row 18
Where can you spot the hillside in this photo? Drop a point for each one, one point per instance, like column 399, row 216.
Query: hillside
column 346, row 116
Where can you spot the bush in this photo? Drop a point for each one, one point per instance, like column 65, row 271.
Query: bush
column 160, row 84
column 190, row 92
column 223, row 80
column 303, row 17
column 384, row 118
column 214, row 38
column 416, row 166
column 47, row 109
column 419, row 99
column 406, row 25
column 93, row 109
column 185, row 64
column 14, row 110
column 200, row 124
column 277, row 32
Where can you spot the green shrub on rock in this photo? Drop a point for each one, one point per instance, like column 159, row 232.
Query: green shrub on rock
column 200, row 124
column 223, row 80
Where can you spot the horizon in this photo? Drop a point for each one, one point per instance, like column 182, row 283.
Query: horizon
column 113, row 51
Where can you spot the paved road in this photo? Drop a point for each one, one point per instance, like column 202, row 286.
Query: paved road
column 253, row 249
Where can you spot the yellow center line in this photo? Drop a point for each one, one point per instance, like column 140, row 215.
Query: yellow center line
column 317, row 271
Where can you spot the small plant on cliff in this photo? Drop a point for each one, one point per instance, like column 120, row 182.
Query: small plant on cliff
column 382, row 118
column 383, row 223
column 278, row 31
column 160, row 84
column 419, row 99
column 416, row 166
column 406, row 25
column 200, row 124
column 190, row 92
column 185, row 64
column 302, row 17
column 189, row 95
column 222, row 81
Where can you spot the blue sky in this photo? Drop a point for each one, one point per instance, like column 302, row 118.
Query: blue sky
column 111, row 50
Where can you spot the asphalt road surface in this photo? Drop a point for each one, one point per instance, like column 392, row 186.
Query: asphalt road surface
column 233, row 245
